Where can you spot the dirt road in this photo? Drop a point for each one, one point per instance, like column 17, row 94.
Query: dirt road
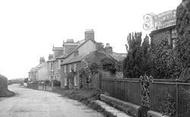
column 33, row 103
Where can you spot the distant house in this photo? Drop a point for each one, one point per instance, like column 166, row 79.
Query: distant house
column 32, row 74
column 55, row 59
column 40, row 72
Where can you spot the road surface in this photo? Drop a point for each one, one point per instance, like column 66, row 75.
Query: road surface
column 34, row 103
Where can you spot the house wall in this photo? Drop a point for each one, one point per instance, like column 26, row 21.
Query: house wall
column 57, row 53
column 57, row 69
column 81, row 51
column 168, row 34
column 32, row 75
column 68, row 48
column 64, row 81
column 87, row 48
column 43, row 72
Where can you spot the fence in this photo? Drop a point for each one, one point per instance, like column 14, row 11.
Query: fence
column 166, row 96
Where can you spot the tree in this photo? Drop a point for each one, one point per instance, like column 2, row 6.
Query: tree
column 137, row 61
column 108, row 65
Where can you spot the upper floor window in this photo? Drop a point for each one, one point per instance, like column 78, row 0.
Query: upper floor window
column 75, row 67
column 51, row 65
column 65, row 68
column 173, row 37
column 76, row 53
column 70, row 67
column 59, row 64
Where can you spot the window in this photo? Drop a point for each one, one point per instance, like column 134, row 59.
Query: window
column 174, row 33
column 59, row 64
column 76, row 53
column 51, row 65
column 173, row 36
column 69, row 67
column 65, row 69
column 65, row 81
column 75, row 67
column 75, row 80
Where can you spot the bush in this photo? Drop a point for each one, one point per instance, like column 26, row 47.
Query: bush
column 165, row 65
column 159, row 61
column 56, row 83
column 108, row 65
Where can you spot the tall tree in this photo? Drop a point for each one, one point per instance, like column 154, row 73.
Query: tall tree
column 136, row 62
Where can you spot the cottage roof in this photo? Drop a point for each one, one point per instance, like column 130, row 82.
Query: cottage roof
column 97, row 56
column 57, row 48
column 73, row 60
column 81, row 44
column 118, row 56
column 51, row 60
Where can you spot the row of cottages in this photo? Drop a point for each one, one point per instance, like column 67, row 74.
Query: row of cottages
column 69, row 58
column 40, row 72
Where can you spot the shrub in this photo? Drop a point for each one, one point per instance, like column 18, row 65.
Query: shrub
column 165, row 65
column 108, row 65
column 56, row 83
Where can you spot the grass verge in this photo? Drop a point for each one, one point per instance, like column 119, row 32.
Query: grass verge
column 85, row 96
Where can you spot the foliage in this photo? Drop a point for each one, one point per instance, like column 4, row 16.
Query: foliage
column 85, row 73
column 165, row 65
column 159, row 61
column 56, row 83
column 168, row 105
column 137, row 61
column 94, row 68
column 26, row 80
column 108, row 65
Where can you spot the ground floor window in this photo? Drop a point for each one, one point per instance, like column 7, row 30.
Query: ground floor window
column 75, row 81
column 65, row 81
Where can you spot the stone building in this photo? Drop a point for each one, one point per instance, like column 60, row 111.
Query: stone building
column 72, row 61
column 54, row 62
column 168, row 33
column 88, row 47
column 165, row 28
column 40, row 72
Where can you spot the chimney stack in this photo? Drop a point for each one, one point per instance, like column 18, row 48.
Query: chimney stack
column 50, row 56
column 42, row 60
column 108, row 48
column 89, row 34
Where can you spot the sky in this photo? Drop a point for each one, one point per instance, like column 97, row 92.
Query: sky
column 30, row 28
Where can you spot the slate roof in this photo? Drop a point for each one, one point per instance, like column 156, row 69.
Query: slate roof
column 51, row 60
column 57, row 48
column 118, row 56
column 81, row 44
column 74, row 59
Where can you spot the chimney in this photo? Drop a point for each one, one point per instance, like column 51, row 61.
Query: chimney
column 108, row 48
column 89, row 34
column 42, row 60
column 50, row 56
